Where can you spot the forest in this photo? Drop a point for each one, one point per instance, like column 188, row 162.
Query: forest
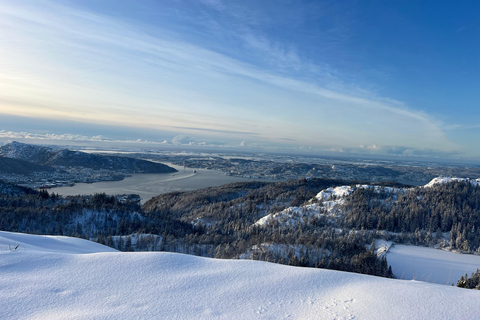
column 221, row 222
column 420, row 215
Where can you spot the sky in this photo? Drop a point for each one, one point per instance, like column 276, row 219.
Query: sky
column 397, row 78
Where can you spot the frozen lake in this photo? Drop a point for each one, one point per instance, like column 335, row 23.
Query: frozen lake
column 430, row 265
column 149, row 185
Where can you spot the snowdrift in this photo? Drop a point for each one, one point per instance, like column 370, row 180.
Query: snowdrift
column 67, row 278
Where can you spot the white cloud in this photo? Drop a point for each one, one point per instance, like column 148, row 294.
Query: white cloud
column 67, row 137
column 50, row 136
column 182, row 140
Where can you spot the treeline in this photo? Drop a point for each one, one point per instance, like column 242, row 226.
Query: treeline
column 8, row 189
column 216, row 222
column 233, row 205
column 78, row 216
column 220, row 221
column 472, row 282
column 420, row 214
column 224, row 220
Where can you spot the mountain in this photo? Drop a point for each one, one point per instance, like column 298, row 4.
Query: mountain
column 44, row 277
column 63, row 157
column 28, row 152
column 19, row 166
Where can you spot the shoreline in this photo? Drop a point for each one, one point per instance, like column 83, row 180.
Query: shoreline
column 148, row 185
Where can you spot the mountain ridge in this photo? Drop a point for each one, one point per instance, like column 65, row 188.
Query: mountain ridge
column 53, row 157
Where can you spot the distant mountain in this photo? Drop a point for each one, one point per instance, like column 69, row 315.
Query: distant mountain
column 47, row 156
column 18, row 166
column 32, row 153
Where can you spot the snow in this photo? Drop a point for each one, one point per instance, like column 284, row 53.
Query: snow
column 430, row 265
column 382, row 246
column 337, row 192
column 332, row 199
column 55, row 278
column 443, row 180
column 48, row 244
column 344, row 191
column 292, row 215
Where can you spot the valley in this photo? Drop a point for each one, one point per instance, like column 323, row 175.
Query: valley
column 149, row 185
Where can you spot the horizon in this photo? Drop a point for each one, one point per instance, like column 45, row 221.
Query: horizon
column 385, row 80
column 101, row 146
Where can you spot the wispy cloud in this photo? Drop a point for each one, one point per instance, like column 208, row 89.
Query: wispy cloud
column 65, row 62
column 278, row 55
column 219, row 131
column 102, row 140
column 454, row 127
column 50, row 136
column 99, row 140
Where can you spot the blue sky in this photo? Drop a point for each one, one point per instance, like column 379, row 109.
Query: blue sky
column 371, row 77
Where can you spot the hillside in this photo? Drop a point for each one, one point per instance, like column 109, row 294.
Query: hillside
column 11, row 190
column 307, row 222
column 60, row 278
column 19, row 166
column 47, row 156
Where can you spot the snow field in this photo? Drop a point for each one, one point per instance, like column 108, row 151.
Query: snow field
column 45, row 281
column 59, row 244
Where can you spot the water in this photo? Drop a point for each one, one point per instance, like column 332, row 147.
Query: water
column 430, row 265
column 148, row 185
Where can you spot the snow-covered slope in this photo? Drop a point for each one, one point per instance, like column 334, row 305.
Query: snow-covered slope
column 53, row 244
column 44, row 281
column 443, row 180
column 331, row 200
column 341, row 191
column 293, row 215
column 344, row 191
